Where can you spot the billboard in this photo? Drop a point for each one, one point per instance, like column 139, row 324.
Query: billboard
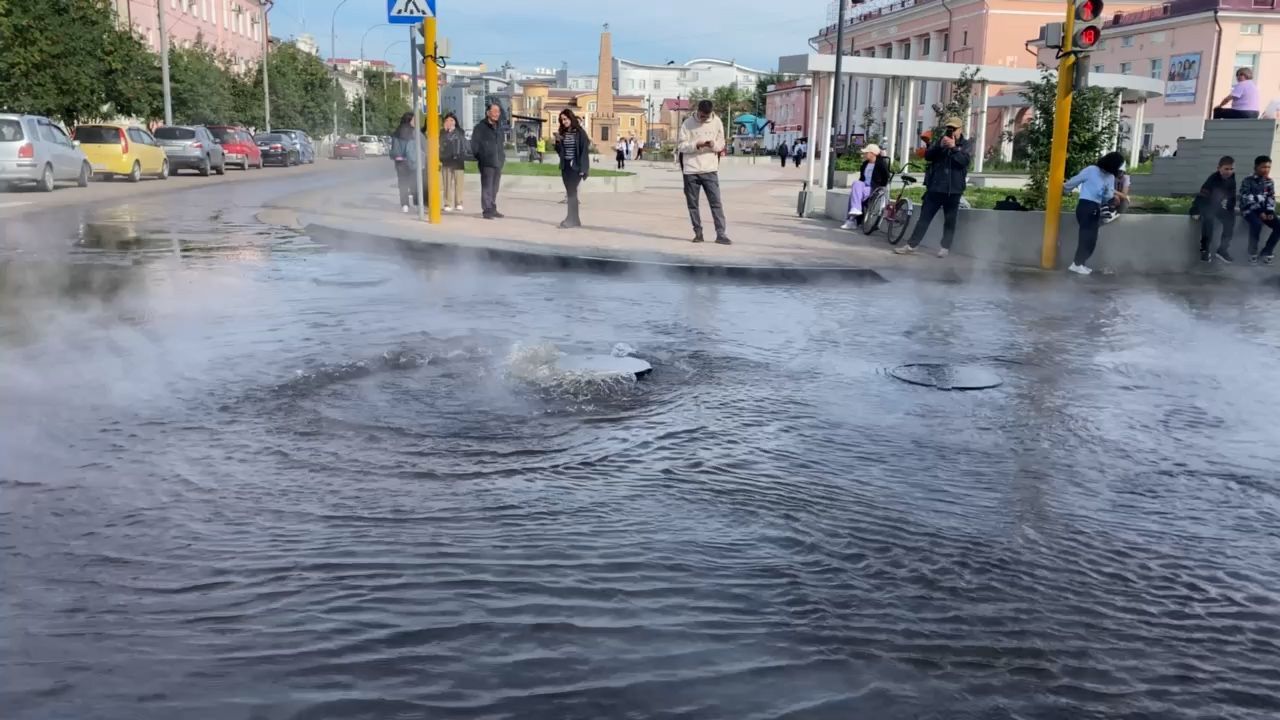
column 1184, row 73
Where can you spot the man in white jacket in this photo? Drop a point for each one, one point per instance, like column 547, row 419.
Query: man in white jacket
column 701, row 142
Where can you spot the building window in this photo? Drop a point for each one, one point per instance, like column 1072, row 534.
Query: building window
column 631, row 84
column 946, row 42
column 1126, row 68
column 1156, row 37
column 641, row 84
column 633, row 122
column 604, row 134
column 1247, row 60
column 1157, row 68
column 964, row 39
column 657, row 84
column 906, row 50
column 1099, row 68
column 1126, row 41
column 1264, row 3
column 1148, row 132
column 1250, row 28
column 925, row 47
column 591, row 107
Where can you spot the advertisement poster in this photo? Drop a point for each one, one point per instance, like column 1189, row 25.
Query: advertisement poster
column 1184, row 72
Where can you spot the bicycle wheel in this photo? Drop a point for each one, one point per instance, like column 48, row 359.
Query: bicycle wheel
column 902, row 212
column 873, row 211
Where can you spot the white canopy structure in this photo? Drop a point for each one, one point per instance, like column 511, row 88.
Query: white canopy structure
column 905, row 77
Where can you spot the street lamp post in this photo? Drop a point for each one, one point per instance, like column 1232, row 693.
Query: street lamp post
column 835, row 95
column 364, row 86
column 333, row 58
column 164, row 66
column 266, row 54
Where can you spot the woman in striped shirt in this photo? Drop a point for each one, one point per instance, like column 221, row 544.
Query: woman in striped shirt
column 575, row 162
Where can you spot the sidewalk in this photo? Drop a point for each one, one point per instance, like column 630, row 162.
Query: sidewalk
column 647, row 226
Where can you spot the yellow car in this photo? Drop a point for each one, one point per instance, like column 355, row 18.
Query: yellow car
column 126, row 150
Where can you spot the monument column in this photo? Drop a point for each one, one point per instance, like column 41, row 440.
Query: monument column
column 604, row 122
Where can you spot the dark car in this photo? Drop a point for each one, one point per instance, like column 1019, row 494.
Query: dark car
column 277, row 149
column 306, row 147
column 348, row 148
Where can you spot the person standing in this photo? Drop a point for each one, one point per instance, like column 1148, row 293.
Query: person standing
column 487, row 148
column 573, row 146
column 531, row 145
column 701, row 140
column 404, row 154
column 542, row 148
column 1216, row 205
column 620, row 153
column 944, row 184
column 1258, row 206
column 639, row 148
column 1244, row 99
column 453, row 157
column 1097, row 185
column 783, row 152
column 801, row 149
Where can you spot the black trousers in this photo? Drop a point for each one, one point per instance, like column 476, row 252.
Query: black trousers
column 571, row 180
column 1089, row 217
column 1255, row 233
column 1217, row 216
column 407, row 183
column 1231, row 114
column 784, row 160
column 710, row 182
column 490, row 179
column 949, row 204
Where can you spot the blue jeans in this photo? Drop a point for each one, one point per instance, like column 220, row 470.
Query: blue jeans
column 1255, row 232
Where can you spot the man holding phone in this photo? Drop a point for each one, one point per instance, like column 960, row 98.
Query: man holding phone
column 701, row 141
column 944, row 183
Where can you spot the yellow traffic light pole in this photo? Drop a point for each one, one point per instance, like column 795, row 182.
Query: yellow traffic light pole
column 431, row 75
column 1058, row 154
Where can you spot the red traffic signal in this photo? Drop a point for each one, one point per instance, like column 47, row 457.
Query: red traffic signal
column 1088, row 10
column 1086, row 37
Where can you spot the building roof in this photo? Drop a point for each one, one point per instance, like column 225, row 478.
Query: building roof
column 1179, row 8
column 677, row 104
column 688, row 64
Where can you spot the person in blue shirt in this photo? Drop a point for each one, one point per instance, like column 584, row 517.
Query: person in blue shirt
column 1097, row 185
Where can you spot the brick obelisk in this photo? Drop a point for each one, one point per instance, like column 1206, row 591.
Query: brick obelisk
column 604, row 123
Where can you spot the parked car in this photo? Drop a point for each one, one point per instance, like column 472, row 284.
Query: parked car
column 278, row 148
column 118, row 149
column 33, row 149
column 348, row 148
column 306, row 148
column 372, row 145
column 191, row 147
column 239, row 145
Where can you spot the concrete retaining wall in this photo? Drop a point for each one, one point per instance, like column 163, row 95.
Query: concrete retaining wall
column 1135, row 243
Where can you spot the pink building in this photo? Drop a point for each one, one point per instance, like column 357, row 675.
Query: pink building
column 235, row 28
column 1196, row 46
column 787, row 106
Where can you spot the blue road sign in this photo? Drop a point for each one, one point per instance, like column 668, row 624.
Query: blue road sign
column 409, row 12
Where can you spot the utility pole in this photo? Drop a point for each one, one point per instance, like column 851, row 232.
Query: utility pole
column 164, row 66
column 333, row 57
column 835, row 96
column 266, row 55
column 432, row 112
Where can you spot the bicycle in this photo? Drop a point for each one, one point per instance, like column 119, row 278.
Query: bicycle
column 897, row 216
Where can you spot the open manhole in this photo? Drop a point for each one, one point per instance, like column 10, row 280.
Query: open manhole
column 605, row 365
column 947, row 377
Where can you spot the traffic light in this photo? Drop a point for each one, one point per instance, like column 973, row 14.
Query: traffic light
column 1088, row 24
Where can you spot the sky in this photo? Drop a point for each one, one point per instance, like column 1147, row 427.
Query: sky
column 753, row 32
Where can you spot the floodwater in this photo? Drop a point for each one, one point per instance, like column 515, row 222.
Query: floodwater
column 266, row 480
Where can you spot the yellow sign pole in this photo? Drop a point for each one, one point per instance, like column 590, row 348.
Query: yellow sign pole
column 1058, row 155
column 430, row 73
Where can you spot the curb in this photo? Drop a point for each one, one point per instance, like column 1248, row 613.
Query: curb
column 535, row 260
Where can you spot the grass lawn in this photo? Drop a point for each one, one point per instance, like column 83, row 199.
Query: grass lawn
column 986, row 198
column 547, row 169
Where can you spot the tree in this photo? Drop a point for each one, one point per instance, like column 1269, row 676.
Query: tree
column 73, row 62
column 385, row 102
column 302, row 91
column 959, row 103
column 204, row 90
column 1094, row 122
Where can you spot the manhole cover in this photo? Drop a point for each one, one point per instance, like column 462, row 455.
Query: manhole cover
column 604, row 365
column 947, row 377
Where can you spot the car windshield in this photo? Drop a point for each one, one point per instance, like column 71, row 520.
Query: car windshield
column 272, row 137
column 10, row 130
column 174, row 133
column 225, row 134
column 98, row 135
column 368, row 138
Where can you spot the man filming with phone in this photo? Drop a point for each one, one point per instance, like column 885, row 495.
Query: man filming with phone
column 944, row 183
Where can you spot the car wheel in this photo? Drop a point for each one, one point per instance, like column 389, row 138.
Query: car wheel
column 221, row 169
column 206, row 167
column 46, row 179
column 85, row 173
column 135, row 174
column 164, row 170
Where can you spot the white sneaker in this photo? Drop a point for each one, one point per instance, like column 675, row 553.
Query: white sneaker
column 448, row 209
column 904, row 250
column 943, row 252
column 458, row 208
column 1079, row 269
column 404, row 209
column 848, row 225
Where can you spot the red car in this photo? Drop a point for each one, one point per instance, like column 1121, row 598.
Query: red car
column 348, row 148
column 240, row 147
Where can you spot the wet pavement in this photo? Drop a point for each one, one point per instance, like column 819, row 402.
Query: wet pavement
column 248, row 475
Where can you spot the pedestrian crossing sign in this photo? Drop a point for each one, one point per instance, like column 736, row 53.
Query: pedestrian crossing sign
column 409, row 12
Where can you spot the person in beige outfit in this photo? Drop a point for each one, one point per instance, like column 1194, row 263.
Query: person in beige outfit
column 701, row 141
column 453, row 156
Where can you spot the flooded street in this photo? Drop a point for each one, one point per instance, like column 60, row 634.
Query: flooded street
column 246, row 475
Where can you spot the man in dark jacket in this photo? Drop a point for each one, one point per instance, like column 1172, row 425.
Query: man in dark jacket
column 944, row 183
column 1216, row 205
column 490, row 154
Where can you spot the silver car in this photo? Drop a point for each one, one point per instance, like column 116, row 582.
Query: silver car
column 34, row 149
column 191, row 147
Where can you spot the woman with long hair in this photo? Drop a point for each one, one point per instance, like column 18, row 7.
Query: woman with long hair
column 573, row 147
column 453, row 156
column 1097, row 185
column 404, row 154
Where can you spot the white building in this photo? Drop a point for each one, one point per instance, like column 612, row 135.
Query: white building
column 672, row 81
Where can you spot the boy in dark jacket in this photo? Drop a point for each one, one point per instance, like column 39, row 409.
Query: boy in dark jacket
column 1258, row 206
column 1216, row 203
